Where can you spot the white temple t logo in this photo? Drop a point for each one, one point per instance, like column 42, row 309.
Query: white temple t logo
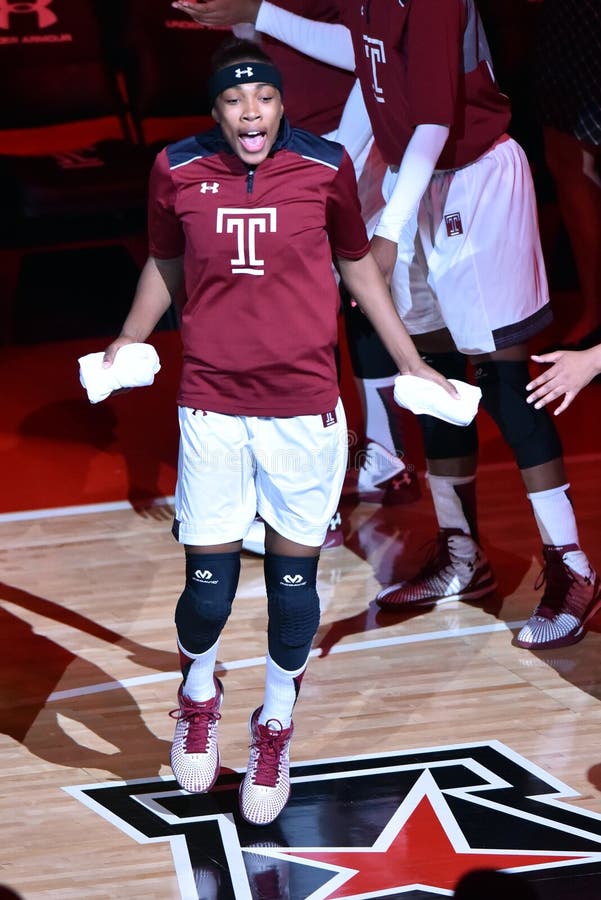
column 246, row 224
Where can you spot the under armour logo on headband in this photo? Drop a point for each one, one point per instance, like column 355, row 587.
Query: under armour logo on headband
column 242, row 73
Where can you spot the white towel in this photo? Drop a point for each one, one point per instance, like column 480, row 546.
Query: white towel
column 426, row 397
column 135, row 365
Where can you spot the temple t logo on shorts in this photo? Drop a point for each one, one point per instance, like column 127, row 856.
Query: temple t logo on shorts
column 453, row 223
column 329, row 418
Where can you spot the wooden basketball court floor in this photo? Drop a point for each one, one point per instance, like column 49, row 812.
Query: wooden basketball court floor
column 90, row 675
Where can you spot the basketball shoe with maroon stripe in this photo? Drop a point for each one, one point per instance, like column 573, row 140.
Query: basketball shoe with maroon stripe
column 265, row 789
column 445, row 576
column 569, row 601
column 194, row 752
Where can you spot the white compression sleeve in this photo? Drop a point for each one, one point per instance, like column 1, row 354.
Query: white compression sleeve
column 415, row 172
column 326, row 41
column 354, row 128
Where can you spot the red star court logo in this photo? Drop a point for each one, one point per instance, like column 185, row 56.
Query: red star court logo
column 404, row 825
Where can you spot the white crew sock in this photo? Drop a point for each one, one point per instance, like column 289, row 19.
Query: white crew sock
column 451, row 511
column 556, row 522
column 377, row 415
column 554, row 516
column 280, row 693
column 199, row 684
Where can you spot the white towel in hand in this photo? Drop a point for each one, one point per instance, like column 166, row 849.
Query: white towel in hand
column 135, row 365
column 425, row 397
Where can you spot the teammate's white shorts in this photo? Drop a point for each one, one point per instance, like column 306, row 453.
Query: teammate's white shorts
column 474, row 265
column 288, row 470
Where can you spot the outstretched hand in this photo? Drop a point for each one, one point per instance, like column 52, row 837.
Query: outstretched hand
column 217, row 13
column 571, row 370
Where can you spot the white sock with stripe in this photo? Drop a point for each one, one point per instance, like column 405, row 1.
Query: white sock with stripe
column 199, row 684
column 281, row 691
column 556, row 522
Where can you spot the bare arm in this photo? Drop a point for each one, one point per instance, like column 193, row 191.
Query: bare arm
column 571, row 370
column 157, row 288
column 216, row 13
column 366, row 284
column 329, row 42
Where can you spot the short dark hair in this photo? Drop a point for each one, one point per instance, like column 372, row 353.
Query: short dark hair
column 238, row 50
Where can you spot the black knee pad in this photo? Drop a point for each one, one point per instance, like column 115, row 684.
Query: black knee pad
column 293, row 607
column 206, row 601
column 442, row 440
column 530, row 432
column 369, row 357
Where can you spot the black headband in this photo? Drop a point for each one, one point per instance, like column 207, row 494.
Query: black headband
column 242, row 73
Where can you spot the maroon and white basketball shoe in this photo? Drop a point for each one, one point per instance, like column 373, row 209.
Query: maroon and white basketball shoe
column 446, row 576
column 569, row 601
column 194, row 752
column 265, row 789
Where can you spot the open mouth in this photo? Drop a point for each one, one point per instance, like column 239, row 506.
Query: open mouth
column 253, row 141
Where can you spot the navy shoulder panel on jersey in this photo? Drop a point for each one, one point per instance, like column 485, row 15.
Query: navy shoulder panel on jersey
column 295, row 140
column 199, row 145
column 311, row 146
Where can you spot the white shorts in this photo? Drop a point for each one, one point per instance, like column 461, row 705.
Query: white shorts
column 471, row 260
column 288, row 470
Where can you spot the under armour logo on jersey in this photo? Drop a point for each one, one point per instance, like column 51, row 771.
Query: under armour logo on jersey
column 247, row 71
column 245, row 225
column 453, row 223
column 293, row 580
column 205, row 577
column 212, row 187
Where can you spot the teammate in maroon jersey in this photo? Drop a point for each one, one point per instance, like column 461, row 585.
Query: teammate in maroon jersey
column 458, row 242
column 248, row 214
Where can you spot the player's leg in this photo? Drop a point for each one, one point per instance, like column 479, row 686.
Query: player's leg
column 456, row 567
column 212, row 535
column 378, row 473
column 478, row 268
column 301, row 464
column 571, row 593
column 512, row 264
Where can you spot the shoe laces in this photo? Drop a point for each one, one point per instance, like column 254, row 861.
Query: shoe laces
column 269, row 742
column 436, row 557
column 199, row 717
column 563, row 591
column 438, row 560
